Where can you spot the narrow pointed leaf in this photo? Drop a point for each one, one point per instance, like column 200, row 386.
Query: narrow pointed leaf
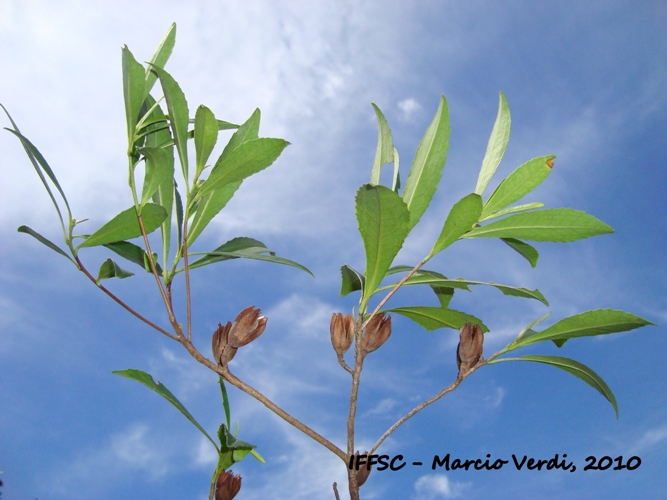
column 552, row 224
column 232, row 450
column 524, row 249
column 384, row 224
column 43, row 240
column 209, row 207
column 178, row 114
column 589, row 323
column 518, row 184
column 575, row 368
column 352, row 280
column 384, row 152
column 39, row 163
column 396, row 181
column 225, row 401
column 513, row 210
column 205, row 135
column 161, row 56
column 248, row 131
column 125, row 226
column 134, row 91
column 164, row 196
column 242, row 248
column 109, row 269
column 147, row 380
column 495, row 149
column 421, row 278
column 426, row 169
column 178, row 205
column 247, row 159
column 133, row 253
column 463, row 215
column 159, row 170
column 433, row 318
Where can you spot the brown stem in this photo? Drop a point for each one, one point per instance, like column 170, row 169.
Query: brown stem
column 239, row 384
column 335, row 488
column 419, row 408
column 393, row 291
column 151, row 260
column 354, row 394
column 121, row 303
column 342, row 363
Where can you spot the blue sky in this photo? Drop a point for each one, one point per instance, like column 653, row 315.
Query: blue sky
column 585, row 81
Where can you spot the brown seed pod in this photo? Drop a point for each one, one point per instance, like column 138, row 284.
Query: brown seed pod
column 471, row 345
column 227, row 485
column 342, row 332
column 247, row 326
column 223, row 353
column 376, row 333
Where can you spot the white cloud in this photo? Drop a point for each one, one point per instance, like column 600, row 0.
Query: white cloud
column 408, row 108
column 650, row 439
column 434, row 486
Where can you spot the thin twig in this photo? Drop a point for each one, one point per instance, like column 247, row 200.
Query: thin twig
column 342, row 363
column 121, row 303
column 393, row 291
column 188, row 303
column 239, row 384
column 335, row 488
column 165, row 299
column 419, row 408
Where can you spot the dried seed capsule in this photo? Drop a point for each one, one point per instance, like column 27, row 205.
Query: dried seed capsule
column 376, row 333
column 342, row 332
column 247, row 326
column 364, row 470
column 223, row 353
column 227, row 485
column 470, row 347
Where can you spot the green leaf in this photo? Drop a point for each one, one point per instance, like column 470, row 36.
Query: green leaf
column 147, row 380
column 39, row 163
column 133, row 253
column 134, row 91
column 396, row 181
column 246, row 132
column 178, row 114
column 495, row 149
column 242, row 247
column 589, row 323
column 384, row 224
column 206, row 135
column 524, row 249
column 352, row 280
column 125, row 226
column 232, row 450
column 575, row 368
column 512, row 210
column 433, row 318
column 518, row 184
column 225, row 401
column 552, row 224
column 247, row 159
column 435, row 279
column 426, row 169
column 159, row 170
column 161, row 56
column 384, row 152
column 109, row 269
column 209, row 207
column 178, row 203
column 42, row 239
column 462, row 217
column 444, row 295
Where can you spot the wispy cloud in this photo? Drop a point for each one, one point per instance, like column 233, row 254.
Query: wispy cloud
column 436, row 486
